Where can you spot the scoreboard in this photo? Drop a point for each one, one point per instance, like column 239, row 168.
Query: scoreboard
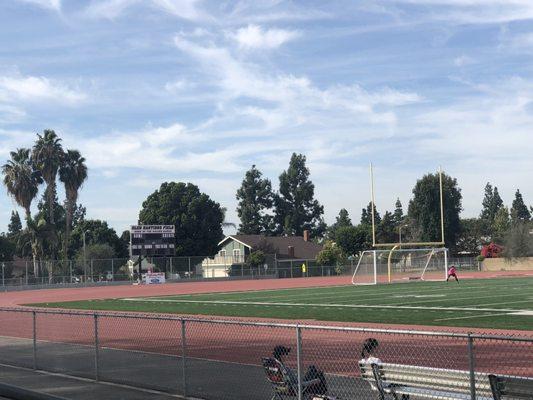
column 152, row 240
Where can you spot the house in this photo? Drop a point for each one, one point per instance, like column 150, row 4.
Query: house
column 235, row 249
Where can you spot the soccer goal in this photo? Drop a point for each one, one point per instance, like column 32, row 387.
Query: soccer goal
column 401, row 265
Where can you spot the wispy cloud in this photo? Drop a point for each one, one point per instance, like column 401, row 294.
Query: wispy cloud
column 471, row 11
column 37, row 88
column 111, row 9
column 47, row 4
column 255, row 37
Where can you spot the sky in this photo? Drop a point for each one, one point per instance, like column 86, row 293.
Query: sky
column 199, row 91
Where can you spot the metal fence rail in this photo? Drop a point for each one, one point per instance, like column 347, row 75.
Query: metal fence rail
column 221, row 359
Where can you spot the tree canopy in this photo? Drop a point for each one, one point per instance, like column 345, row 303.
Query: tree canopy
column 296, row 209
column 197, row 218
column 255, row 199
column 424, row 209
column 519, row 211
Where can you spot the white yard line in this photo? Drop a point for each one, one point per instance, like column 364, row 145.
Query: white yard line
column 253, row 303
column 471, row 316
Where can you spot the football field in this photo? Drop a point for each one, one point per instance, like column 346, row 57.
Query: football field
column 505, row 303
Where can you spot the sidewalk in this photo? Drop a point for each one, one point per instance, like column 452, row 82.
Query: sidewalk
column 73, row 388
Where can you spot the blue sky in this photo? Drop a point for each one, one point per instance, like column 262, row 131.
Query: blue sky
column 191, row 90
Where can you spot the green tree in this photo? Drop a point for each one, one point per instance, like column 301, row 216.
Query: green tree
column 73, row 173
column 424, row 209
column 518, row 241
column 48, row 156
column 354, row 239
column 342, row 220
column 366, row 215
column 15, row 225
column 471, row 237
column 96, row 232
column 501, row 225
column 296, row 209
column 492, row 202
column 397, row 215
column 38, row 236
column 255, row 199
column 519, row 211
column 330, row 255
column 22, row 179
column 256, row 259
column 96, row 251
column 197, row 218
column 7, row 251
column 386, row 231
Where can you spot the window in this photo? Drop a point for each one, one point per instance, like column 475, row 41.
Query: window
column 236, row 253
column 222, row 253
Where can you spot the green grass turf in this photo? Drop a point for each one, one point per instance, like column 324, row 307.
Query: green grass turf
column 493, row 300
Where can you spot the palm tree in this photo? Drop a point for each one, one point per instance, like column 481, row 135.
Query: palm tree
column 48, row 155
column 21, row 179
column 72, row 172
column 38, row 236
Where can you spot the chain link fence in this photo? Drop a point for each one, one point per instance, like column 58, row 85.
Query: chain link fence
column 20, row 273
column 214, row 359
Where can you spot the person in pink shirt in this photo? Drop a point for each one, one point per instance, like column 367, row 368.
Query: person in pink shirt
column 452, row 272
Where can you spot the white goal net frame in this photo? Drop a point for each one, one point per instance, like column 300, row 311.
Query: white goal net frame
column 401, row 265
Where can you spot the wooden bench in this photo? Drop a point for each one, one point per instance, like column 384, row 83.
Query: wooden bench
column 511, row 387
column 401, row 381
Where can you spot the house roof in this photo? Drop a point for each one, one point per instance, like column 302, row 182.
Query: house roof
column 280, row 244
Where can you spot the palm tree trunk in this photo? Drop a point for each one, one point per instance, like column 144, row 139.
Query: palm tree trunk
column 51, row 194
column 33, row 249
column 68, row 225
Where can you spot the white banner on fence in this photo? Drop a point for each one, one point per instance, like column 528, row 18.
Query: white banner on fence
column 154, row 278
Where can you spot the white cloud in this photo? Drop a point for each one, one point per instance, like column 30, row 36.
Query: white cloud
column 255, row 37
column 177, row 86
column 473, row 11
column 111, row 9
column 47, row 4
column 37, row 88
column 463, row 60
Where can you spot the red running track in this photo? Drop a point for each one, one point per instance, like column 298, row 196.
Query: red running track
column 334, row 351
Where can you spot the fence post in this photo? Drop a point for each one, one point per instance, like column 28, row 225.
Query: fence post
column 34, row 339
column 189, row 267
column 96, row 346
column 299, row 360
column 183, row 358
column 471, row 364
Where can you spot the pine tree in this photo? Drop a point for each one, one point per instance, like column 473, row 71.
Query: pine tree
column 492, row 202
column 397, row 216
column 255, row 199
column 519, row 211
column 366, row 215
column 501, row 225
column 296, row 209
column 15, row 225
column 342, row 220
column 386, row 229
